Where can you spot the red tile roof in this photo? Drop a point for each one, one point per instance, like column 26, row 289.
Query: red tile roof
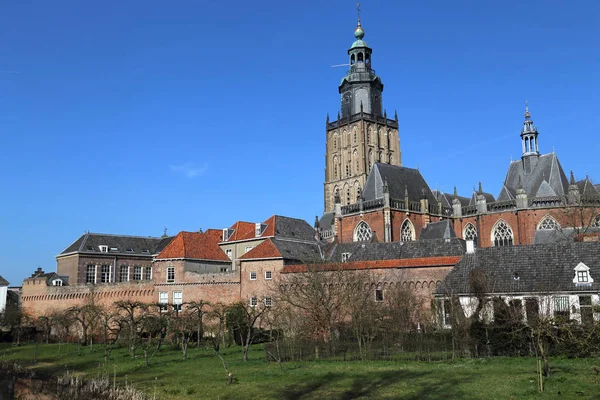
column 216, row 234
column 270, row 227
column 193, row 245
column 266, row 249
column 242, row 230
column 377, row 264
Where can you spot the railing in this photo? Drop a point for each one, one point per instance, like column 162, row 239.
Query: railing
column 541, row 202
column 469, row 210
column 502, row 205
column 397, row 204
column 372, row 204
column 362, row 115
column 350, row 208
column 326, row 234
column 414, row 206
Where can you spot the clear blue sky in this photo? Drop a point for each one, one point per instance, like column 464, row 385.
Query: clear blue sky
column 129, row 116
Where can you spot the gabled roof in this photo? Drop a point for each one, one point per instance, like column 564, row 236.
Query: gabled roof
column 326, row 221
column 3, row 282
column 288, row 250
column 275, row 226
column 489, row 198
column 131, row 245
column 527, row 269
column 362, row 251
column 507, row 193
column 545, row 168
column 398, row 179
column 215, row 234
column 193, row 245
column 447, row 198
column 438, row 230
column 586, row 187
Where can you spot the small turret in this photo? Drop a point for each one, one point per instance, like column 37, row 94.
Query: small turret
column 529, row 135
column 481, row 201
column 574, row 196
column 456, row 205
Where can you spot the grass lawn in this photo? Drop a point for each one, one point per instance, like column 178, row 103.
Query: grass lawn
column 202, row 376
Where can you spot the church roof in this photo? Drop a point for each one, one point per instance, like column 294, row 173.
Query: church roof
column 586, row 187
column 547, row 168
column 526, row 269
column 447, row 198
column 117, row 244
column 398, row 179
column 438, row 230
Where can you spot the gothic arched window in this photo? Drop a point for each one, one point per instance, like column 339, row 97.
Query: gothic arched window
column 355, row 136
column 548, row 224
column 407, row 232
column 470, row 233
column 369, row 135
column 335, row 167
column 355, row 157
column 502, row 234
column 362, row 232
column 596, row 223
column 335, row 141
column 370, row 159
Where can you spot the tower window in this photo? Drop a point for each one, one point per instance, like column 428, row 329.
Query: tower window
column 352, row 59
column 360, row 57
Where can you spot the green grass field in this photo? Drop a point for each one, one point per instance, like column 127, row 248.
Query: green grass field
column 202, row 376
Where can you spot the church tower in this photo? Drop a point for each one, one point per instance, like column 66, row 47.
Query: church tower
column 362, row 135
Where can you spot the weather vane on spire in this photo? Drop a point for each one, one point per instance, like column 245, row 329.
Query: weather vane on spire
column 358, row 11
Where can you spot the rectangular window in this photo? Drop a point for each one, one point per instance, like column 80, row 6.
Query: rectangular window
column 137, row 273
column 103, row 248
column 177, row 301
column 586, row 310
column 561, row 307
column 268, row 301
column 148, row 273
column 252, row 276
column 170, row 274
column 124, row 273
column 582, row 276
column 163, row 300
column 223, row 269
column 532, row 310
column 253, row 301
column 90, row 274
column 105, row 274
column 378, row 295
column 268, row 275
column 229, row 253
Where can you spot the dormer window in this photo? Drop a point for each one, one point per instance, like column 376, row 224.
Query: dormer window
column 57, row 282
column 130, row 250
column 103, row 248
column 257, row 229
column 114, row 249
column 146, row 251
column 225, row 234
column 582, row 275
column 346, row 256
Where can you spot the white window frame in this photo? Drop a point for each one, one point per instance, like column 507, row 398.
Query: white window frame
column 103, row 248
column 57, row 282
column 121, row 275
column 163, row 301
column 253, row 275
column 346, row 256
column 268, row 275
column 148, row 276
column 170, row 270
column 247, row 249
column 177, row 300
column 87, row 274
column 137, row 276
column 103, row 274
column 268, row 301
column 253, row 301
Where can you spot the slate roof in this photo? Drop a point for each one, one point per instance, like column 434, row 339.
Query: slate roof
column 547, row 169
column 361, row 251
column 193, row 245
column 291, row 251
column 540, row 268
column 447, row 198
column 586, row 187
column 3, row 282
column 398, row 178
column 326, row 221
column 489, row 198
column 438, row 230
column 276, row 225
column 90, row 242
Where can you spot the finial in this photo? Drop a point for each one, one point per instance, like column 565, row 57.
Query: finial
column 361, row 106
column 480, row 188
column 396, row 115
column 359, row 32
column 165, row 233
column 527, row 114
column 338, row 116
column 316, row 222
column 385, row 114
column 406, row 191
column 572, row 181
column 327, row 118
column 455, row 192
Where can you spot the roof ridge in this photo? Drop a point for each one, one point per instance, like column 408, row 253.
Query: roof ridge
column 87, row 234
column 118, row 235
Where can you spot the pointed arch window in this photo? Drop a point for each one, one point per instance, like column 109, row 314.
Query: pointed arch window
column 370, row 160
column 596, row 223
column 470, row 233
column 355, row 157
column 502, row 234
column 362, row 232
column 407, row 231
column 355, row 135
column 369, row 135
column 335, row 167
column 548, row 224
column 335, row 141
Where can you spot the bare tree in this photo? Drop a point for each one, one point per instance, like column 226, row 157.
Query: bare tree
column 200, row 308
column 243, row 318
column 131, row 316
